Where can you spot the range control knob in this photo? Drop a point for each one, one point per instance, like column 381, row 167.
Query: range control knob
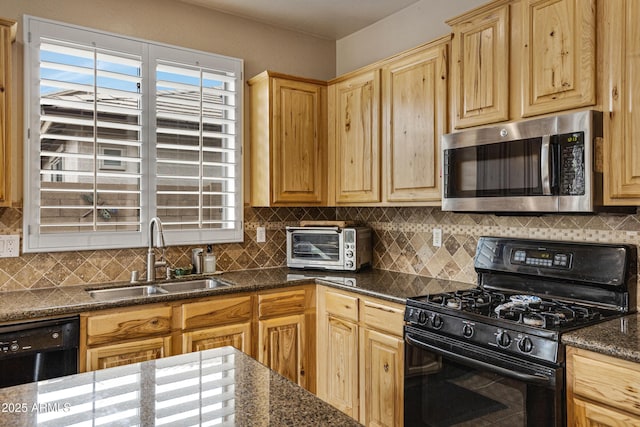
column 14, row 347
column 437, row 321
column 422, row 317
column 349, row 254
column 525, row 345
column 503, row 339
column 467, row 331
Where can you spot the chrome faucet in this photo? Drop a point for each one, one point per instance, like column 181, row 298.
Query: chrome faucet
column 152, row 264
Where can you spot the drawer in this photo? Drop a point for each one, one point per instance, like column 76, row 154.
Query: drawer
column 129, row 324
column 383, row 316
column 281, row 303
column 608, row 380
column 215, row 312
column 339, row 305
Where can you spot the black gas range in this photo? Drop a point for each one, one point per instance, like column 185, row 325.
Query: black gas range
column 507, row 331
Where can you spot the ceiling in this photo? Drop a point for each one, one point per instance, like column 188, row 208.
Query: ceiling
column 329, row 19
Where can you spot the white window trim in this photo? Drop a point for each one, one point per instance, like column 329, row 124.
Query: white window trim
column 34, row 241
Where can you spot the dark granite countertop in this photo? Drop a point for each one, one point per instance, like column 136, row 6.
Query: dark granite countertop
column 617, row 337
column 221, row 385
column 52, row 302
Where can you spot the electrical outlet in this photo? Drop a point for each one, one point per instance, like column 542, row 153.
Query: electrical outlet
column 437, row 237
column 9, row 246
column 261, row 234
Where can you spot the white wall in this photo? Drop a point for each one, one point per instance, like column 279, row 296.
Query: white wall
column 410, row 27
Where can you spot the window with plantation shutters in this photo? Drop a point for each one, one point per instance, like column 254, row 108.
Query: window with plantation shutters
column 121, row 130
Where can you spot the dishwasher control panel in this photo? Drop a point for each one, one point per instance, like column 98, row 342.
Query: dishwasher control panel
column 34, row 340
column 37, row 337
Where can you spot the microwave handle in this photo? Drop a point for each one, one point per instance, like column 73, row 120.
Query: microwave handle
column 545, row 158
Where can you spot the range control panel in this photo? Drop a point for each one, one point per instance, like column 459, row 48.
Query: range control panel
column 541, row 258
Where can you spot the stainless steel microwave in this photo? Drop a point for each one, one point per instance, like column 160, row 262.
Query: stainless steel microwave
column 538, row 165
column 329, row 248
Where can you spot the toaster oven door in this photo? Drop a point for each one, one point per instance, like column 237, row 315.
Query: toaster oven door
column 314, row 248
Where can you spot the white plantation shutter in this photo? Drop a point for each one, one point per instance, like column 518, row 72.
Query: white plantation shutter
column 121, row 130
column 197, row 150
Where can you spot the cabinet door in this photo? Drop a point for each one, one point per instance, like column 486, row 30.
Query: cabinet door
column 414, row 99
column 298, row 142
column 127, row 324
column 109, row 356
column 381, row 386
column 281, row 346
column 357, row 138
column 559, row 64
column 340, row 364
column 480, row 59
column 622, row 94
column 7, row 29
column 237, row 336
column 589, row 414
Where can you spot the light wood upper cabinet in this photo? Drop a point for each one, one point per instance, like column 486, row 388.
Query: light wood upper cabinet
column 7, row 36
column 480, row 66
column 559, row 55
column 357, row 138
column 621, row 45
column 288, row 140
column 414, row 93
column 601, row 390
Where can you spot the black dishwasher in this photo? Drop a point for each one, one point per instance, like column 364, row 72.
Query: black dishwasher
column 38, row 350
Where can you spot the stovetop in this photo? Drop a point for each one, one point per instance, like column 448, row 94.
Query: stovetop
column 500, row 307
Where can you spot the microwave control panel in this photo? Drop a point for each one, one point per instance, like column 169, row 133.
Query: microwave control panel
column 572, row 164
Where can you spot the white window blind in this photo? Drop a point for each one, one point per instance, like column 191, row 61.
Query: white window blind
column 122, row 130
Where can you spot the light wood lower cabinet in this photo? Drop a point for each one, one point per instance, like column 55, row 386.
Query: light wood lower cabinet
column 285, row 321
column 361, row 356
column 217, row 322
column 237, row 336
column 121, row 336
column 108, row 356
column 601, row 390
column 281, row 346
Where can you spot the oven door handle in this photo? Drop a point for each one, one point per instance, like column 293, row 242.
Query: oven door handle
column 536, row 379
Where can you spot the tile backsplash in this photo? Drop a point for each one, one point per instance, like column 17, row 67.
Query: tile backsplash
column 403, row 242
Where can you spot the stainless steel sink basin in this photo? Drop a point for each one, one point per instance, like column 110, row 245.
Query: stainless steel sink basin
column 126, row 292
column 194, row 285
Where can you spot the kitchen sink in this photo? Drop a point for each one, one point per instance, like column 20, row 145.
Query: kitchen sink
column 126, row 292
column 194, row 285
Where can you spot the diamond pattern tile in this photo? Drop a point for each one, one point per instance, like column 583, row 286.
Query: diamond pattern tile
column 402, row 242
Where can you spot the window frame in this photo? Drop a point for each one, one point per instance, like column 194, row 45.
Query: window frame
column 150, row 52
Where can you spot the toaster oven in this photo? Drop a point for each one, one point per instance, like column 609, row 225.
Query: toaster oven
column 329, row 248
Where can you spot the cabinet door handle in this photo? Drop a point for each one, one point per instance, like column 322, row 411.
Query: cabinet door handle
column 386, row 366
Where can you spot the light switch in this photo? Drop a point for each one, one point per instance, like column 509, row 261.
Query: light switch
column 9, row 246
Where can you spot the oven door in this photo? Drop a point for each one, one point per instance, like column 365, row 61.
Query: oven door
column 449, row 383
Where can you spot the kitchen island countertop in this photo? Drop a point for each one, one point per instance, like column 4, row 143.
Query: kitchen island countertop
column 222, row 386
